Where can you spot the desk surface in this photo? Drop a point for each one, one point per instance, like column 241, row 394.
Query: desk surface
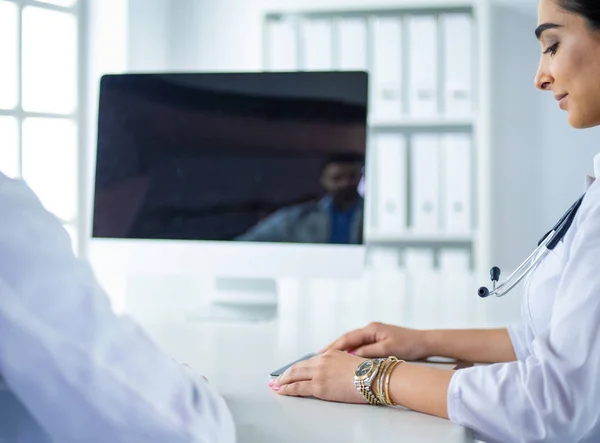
column 237, row 359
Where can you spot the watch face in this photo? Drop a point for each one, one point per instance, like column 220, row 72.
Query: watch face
column 364, row 368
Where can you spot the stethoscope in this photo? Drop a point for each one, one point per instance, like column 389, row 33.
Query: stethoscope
column 545, row 245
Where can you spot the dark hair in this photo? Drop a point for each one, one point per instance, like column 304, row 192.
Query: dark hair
column 588, row 9
column 344, row 158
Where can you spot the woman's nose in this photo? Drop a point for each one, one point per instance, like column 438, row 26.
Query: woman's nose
column 543, row 80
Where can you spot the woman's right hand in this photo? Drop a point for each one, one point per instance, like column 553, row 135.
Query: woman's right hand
column 381, row 340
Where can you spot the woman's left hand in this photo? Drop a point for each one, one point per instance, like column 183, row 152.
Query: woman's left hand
column 329, row 376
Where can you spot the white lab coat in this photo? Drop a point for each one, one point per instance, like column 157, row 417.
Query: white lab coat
column 552, row 393
column 74, row 371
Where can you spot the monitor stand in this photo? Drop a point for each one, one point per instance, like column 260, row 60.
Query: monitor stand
column 249, row 300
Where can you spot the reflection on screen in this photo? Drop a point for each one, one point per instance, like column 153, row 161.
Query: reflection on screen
column 272, row 157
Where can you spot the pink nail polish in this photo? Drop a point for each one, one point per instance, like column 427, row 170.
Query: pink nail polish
column 276, row 388
column 271, row 383
column 352, row 353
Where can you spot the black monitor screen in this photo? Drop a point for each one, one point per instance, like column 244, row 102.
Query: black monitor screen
column 272, row 157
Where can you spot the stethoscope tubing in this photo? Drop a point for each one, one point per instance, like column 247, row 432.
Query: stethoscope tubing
column 547, row 244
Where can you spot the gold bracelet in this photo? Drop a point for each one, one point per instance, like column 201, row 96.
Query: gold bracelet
column 388, row 376
column 390, row 362
column 379, row 380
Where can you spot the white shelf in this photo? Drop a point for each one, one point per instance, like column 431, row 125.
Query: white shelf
column 398, row 120
column 325, row 9
column 418, row 238
column 413, row 122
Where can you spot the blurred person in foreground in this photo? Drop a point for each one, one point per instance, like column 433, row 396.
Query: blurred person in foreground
column 72, row 371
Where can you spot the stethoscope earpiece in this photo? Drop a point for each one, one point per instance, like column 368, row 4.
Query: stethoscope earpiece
column 545, row 245
column 484, row 292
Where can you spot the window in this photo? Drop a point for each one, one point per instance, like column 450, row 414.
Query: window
column 39, row 102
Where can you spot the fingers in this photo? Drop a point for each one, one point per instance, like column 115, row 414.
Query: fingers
column 371, row 350
column 353, row 340
column 297, row 389
column 329, row 346
column 335, row 345
column 299, row 372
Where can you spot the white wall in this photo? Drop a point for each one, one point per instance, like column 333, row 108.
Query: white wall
column 567, row 155
column 187, row 35
column 148, row 48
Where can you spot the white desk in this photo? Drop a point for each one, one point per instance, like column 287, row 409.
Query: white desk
column 238, row 359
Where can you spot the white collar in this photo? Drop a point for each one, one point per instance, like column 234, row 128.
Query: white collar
column 589, row 179
column 597, row 165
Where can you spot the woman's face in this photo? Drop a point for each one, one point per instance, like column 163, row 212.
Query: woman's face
column 570, row 63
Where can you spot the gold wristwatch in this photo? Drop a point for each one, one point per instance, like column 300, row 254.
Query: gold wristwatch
column 364, row 375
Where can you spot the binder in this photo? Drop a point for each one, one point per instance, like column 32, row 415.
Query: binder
column 386, row 92
column 423, row 65
column 9, row 146
column 458, row 64
column 391, row 183
column 352, row 44
column 424, row 296
column 383, row 258
column 359, row 305
column 282, row 48
column 457, row 279
column 387, row 294
column 457, row 299
column 455, row 260
column 317, row 45
column 426, row 299
column 419, row 259
column 457, row 208
column 425, row 183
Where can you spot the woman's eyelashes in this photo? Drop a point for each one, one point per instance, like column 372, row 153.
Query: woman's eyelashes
column 551, row 49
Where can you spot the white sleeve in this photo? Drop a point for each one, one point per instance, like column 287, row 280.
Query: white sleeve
column 516, row 332
column 84, row 373
column 552, row 395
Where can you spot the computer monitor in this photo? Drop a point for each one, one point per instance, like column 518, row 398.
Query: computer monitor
column 244, row 175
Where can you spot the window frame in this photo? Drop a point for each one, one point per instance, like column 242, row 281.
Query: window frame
column 78, row 116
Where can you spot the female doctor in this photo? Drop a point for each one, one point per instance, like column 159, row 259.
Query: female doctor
column 546, row 387
column 71, row 371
